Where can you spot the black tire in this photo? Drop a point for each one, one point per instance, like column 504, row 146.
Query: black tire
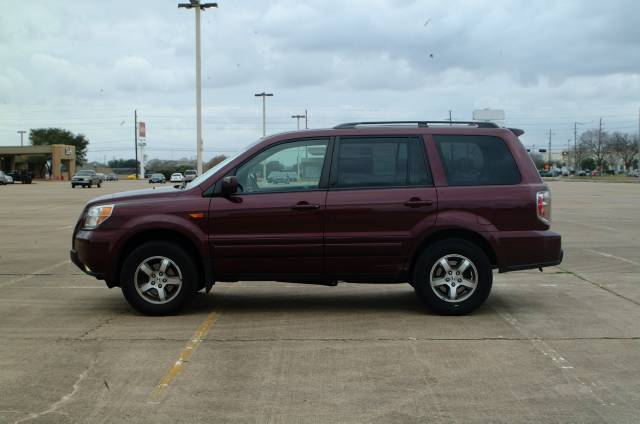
column 426, row 262
column 99, row 185
column 73, row 186
column 168, row 250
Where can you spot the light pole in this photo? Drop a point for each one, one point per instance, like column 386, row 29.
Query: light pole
column 195, row 4
column 298, row 118
column 21, row 132
column 264, row 110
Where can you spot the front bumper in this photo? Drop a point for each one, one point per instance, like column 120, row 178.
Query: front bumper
column 92, row 252
column 84, row 268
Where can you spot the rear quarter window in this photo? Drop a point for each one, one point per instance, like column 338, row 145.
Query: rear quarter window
column 473, row 160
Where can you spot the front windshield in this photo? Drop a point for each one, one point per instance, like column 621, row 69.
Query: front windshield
column 219, row 166
column 84, row 173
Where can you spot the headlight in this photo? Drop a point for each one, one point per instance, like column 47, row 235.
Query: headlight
column 96, row 215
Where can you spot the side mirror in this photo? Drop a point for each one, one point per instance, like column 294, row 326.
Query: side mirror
column 229, row 185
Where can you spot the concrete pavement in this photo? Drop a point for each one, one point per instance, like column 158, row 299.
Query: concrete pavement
column 559, row 346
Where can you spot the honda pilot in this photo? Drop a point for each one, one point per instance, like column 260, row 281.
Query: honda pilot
column 437, row 205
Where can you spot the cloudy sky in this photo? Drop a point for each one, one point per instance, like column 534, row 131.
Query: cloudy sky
column 86, row 65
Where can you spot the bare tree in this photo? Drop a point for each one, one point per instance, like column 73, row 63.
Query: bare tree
column 624, row 147
column 595, row 144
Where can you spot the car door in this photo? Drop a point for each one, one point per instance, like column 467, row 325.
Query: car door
column 273, row 227
column 380, row 199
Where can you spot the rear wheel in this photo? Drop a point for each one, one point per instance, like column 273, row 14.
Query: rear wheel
column 452, row 277
column 158, row 278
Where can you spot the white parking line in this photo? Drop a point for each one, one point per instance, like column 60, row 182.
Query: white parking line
column 608, row 255
column 35, row 274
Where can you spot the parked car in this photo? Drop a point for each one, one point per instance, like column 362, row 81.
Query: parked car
column 436, row 206
column 633, row 173
column 5, row 178
column 112, row 177
column 595, row 173
column 177, row 178
column 278, row 177
column 132, row 177
column 583, row 173
column 157, row 178
column 25, row 177
column 85, row 178
column 190, row 175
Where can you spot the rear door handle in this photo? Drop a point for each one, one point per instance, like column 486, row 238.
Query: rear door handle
column 304, row 206
column 416, row 202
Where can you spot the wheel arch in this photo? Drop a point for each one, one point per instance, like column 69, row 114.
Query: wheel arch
column 459, row 234
column 166, row 235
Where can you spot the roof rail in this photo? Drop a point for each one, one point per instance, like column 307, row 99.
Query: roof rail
column 420, row 124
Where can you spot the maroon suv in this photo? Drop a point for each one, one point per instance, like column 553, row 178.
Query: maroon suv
column 437, row 206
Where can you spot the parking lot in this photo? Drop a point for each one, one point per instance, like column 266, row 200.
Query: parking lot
column 558, row 346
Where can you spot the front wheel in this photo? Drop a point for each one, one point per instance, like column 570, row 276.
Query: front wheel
column 453, row 277
column 158, row 278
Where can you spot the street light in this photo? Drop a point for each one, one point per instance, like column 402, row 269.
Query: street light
column 298, row 118
column 264, row 119
column 21, row 132
column 195, row 4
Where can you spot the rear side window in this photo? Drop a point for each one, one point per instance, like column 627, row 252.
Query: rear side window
column 381, row 162
column 471, row 160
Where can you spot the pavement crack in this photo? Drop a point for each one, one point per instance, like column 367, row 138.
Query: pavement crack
column 53, row 408
column 98, row 326
column 600, row 286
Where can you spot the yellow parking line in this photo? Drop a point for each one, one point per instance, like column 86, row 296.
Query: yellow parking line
column 160, row 390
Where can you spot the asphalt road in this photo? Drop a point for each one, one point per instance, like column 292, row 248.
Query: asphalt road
column 559, row 346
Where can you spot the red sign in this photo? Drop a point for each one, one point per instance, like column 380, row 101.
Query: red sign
column 142, row 131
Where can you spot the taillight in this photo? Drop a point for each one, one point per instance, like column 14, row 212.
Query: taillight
column 543, row 206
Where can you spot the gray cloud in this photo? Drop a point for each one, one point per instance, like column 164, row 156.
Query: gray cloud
column 87, row 65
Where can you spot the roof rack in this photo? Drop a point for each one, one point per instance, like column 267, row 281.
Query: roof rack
column 420, row 124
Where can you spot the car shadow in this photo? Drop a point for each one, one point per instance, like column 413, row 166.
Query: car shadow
column 252, row 301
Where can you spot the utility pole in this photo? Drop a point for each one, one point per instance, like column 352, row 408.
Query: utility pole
column 298, row 118
column 195, row 4
column 600, row 146
column 450, row 120
column 135, row 137
column 575, row 148
column 264, row 110
column 306, row 119
column 21, row 132
column 549, row 149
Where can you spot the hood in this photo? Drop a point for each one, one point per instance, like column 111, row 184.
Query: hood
column 137, row 194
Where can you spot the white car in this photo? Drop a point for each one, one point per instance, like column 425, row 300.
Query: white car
column 177, row 178
column 5, row 179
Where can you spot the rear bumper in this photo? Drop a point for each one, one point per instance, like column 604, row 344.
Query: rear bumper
column 518, row 250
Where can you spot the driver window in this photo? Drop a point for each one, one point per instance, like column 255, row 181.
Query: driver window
column 294, row 166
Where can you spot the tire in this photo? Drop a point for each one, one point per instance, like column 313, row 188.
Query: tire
column 142, row 289
column 99, row 185
column 456, row 294
column 73, row 186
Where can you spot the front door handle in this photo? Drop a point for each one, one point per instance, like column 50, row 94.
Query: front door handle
column 416, row 202
column 304, row 206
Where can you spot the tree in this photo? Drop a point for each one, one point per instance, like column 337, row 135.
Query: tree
column 624, row 147
column 213, row 162
column 48, row 136
column 538, row 160
column 122, row 163
column 596, row 144
column 588, row 164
